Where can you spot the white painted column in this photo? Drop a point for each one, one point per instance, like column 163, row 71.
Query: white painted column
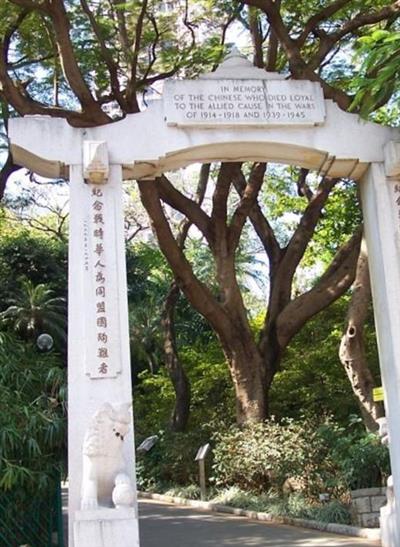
column 381, row 209
column 98, row 343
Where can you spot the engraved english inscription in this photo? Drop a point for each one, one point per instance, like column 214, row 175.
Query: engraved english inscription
column 243, row 102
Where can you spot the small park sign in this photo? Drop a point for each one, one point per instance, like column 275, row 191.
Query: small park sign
column 377, row 394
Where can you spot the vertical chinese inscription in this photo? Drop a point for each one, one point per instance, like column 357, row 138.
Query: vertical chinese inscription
column 100, row 273
column 101, row 289
column 86, row 245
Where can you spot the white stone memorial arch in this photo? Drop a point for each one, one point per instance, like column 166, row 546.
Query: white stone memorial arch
column 238, row 113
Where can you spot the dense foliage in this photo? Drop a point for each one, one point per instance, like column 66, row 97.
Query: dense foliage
column 299, row 456
column 311, row 381
column 32, row 392
column 276, row 467
column 26, row 255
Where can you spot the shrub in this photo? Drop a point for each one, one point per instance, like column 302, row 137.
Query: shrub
column 170, row 461
column 333, row 511
column 294, row 505
column 366, row 463
column 301, row 456
column 191, row 492
column 212, row 397
column 32, row 430
column 260, row 456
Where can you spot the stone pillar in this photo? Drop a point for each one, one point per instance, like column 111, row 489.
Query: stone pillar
column 381, row 209
column 99, row 377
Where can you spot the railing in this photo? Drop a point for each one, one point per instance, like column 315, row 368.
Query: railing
column 34, row 521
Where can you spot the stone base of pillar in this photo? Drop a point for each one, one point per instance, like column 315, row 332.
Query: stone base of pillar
column 388, row 526
column 106, row 528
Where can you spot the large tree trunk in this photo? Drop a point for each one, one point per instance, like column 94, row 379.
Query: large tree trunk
column 252, row 364
column 352, row 349
column 179, row 379
column 247, row 369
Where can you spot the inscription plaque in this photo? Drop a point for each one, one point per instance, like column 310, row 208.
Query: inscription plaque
column 243, row 102
column 102, row 354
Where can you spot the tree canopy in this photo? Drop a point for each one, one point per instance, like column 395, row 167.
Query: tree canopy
column 93, row 63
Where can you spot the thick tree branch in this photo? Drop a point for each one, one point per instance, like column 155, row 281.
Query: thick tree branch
column 189, row 25
column 12, row 29
column 305, row 230
column 186, row 206
column 271, row 9
column 119, row 12
column 273, row 47
column 179, row 379
column 352, row 348
column 138, row 39
column 73, row 75
column 256, row 38
column 302, row 187
column 14, row 93
column 364, row 19
column 146, row 81
column 259, row 222
column 131, row 98
column 219, row 213
column 196, row 292
column 224, row 28
column 31, row 5
column 153, row 49
column 322, row 15
column 335, row 282
column 108, row 59
column 329, row 41
column 8, row 169
column 248, row 199
column 299, row 68
column 198, row 199
column 173, row 364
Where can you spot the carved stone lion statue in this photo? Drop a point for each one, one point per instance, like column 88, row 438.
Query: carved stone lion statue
column 103, row 462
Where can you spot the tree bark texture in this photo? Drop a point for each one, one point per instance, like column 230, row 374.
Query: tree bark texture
column 352, row 349
column 252, row 363
column 179, row 379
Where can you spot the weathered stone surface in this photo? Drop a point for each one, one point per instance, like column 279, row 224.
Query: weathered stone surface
column 369, row 520
column 381, row 210
column 243, row 102
column 362, row 492
column 99, row 360
column 103, row 464
column 377, row 502
column 105, row 528
column 362, row 505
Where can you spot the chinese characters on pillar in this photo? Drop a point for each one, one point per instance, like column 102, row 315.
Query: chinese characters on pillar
column 102, row 357
column 100, row 273
column 86, row 245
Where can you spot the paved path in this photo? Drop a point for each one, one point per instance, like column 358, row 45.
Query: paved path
column 164, row 525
